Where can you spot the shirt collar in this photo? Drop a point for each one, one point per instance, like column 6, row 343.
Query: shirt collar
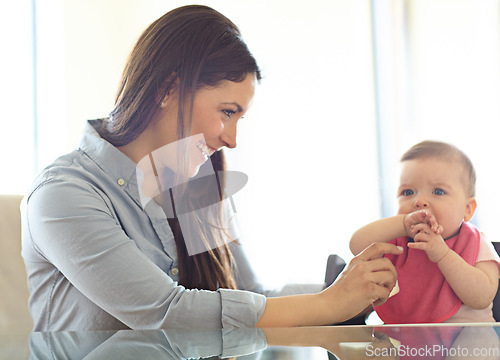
column 111, row 160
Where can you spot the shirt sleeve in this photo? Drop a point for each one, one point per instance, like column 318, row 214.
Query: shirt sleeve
column 487, row 251
column 72, row 226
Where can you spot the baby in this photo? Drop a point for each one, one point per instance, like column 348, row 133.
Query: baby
column 448, row 271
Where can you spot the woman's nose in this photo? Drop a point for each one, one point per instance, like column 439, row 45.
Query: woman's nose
column 228, row 136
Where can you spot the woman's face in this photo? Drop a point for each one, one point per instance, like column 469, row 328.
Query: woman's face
column 216, row 111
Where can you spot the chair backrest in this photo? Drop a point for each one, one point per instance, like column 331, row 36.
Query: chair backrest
column 14, row 314
column 334, row 266
column 496, row 300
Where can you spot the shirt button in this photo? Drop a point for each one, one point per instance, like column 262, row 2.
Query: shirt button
column 174, row 271
column 121, row 182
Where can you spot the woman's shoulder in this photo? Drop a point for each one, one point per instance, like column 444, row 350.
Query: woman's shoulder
column 67, row 176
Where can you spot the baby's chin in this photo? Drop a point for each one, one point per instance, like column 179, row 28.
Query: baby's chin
column 449, row 234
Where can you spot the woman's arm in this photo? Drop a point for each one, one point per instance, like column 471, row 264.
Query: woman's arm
column 85, row 242
column 72, row 225
column 367, row 279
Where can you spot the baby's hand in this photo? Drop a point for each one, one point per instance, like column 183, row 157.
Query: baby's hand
column 429, row 241
column 421, row 217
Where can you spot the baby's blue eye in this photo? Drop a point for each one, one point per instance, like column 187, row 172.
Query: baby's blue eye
column 439, row 192
column 407, row 192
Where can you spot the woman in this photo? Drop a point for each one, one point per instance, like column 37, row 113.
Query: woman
column 106, row 250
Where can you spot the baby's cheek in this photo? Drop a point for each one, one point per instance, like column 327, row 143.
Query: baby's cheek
column 403, row 210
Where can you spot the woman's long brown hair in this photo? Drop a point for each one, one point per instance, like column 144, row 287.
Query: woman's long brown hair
column 211, row 269
column 192, row 47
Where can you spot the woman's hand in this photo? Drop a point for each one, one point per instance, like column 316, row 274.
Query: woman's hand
column 368, row 279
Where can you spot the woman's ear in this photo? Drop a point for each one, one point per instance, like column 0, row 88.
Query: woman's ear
column 169, row 87
column 470, row 209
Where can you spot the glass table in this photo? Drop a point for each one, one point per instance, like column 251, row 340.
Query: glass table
column 458, row 341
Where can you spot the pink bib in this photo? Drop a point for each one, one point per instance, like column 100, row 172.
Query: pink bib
column 424, row 294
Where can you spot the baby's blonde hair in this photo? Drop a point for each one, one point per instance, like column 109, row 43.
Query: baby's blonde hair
column 447, row 152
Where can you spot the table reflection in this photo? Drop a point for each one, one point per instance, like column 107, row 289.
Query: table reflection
column 148, row 344
column 335, row 342
column 444, row 342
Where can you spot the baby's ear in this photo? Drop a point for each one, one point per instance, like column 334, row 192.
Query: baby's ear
column 470, row 209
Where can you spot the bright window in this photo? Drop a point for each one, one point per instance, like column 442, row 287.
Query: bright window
column 17, row 138
column 348, row 86
column 445, row 85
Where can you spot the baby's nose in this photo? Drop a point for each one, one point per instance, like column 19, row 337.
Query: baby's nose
column 421, row 203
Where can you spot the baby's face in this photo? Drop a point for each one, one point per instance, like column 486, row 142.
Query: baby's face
column 438, row 186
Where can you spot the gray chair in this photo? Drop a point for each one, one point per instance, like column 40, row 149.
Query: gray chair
column 496, row 300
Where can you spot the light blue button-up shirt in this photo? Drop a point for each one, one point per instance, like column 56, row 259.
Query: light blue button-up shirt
column 97, row 260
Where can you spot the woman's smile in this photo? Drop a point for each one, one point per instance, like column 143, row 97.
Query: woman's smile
column 205, row 149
